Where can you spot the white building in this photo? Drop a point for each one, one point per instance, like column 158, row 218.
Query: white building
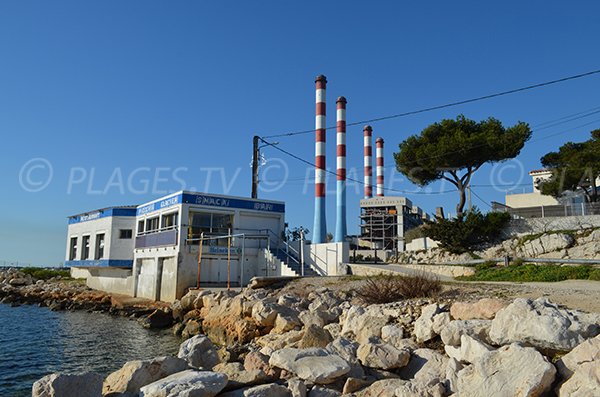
column 534, row 198
column 101, row 238
column 168, row 235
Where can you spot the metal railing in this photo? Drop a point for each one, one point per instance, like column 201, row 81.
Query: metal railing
column 548, row 211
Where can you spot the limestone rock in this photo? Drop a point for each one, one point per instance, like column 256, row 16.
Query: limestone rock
column 68, row 385
column 258, row 361
column 424, row 324
column 587, row 352
column 382, row 356
column 238, row 377
column 426, row 366
column 381, row 388
column 478, row 329
column 452, row 370
column 483, row 309
column 286, row 321
column 269, row 390
column 346, row 349
column 471, row 349
column 440, row 321
column 320, row 391
column 199, row 352
column 542, row 324
column 546, row 243
column 189, row 383
column 584, row 382
column 354, row 384
column 297, row 387
column 158, row 319
column 309, row 318
column 512, row 370
column 392, row 334
column 415, row 389
column 314, row 365
column 136, row 374
column 264, row 313
column 314, row 336
column 334, row 329
column 361, row 325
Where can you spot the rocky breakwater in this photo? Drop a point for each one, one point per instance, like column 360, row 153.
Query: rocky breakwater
column 57, row 293
column 267, row 343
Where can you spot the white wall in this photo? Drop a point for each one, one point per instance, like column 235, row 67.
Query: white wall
column 327, row 259
column 109, row 279
column 525, row 200
column 114, row 248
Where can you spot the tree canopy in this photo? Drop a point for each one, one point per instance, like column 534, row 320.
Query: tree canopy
column 574, row 167
column 454, row 149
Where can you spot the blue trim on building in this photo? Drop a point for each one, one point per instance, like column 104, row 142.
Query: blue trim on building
column 104, row 213
column 211, row 201
column 101, row 263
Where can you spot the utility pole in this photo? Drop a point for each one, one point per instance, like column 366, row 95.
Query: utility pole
column 470, row 199
column 255, row 166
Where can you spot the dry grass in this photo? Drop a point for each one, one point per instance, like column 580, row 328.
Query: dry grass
column 391, row 288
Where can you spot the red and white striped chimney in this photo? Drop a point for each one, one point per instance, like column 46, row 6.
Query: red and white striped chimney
column 379, row 155
column 320, row 226
column 340, row 225
column 368, row 160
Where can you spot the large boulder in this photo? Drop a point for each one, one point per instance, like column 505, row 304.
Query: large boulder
column 424, row 324
column 381, row 388
column 361, row 324
column 587, row 352
column 269, row 390
column 68, row 385
column 314, row 365
column 315, row 336
column 382, row 356
column 225, row 322
column 347, row 349
column 584, row 382
column 189, row 383
column 136, row 374
column 512, row 370
column 483, row 309
column 472, row 349
column 239, row 377
column 426, row 366
column 257, row 361
column 542, row 324
column 199, row 352
column 158, row 319
column 546, row 243
column 478, row 329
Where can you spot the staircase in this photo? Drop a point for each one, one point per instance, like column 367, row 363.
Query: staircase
column 292, row 262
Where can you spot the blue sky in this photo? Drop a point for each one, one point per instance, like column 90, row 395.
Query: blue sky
column 127, row 100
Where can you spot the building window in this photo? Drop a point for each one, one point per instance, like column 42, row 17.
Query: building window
column 125, row 233
column 140, row 229
column 208, row 223
column 73, row 249
column 85, row 244
column 99, row 254
column 169, row 221
column 152, row 224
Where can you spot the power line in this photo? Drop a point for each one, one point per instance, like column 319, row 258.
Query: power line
column 349, row 179
column 480, row 199
column 447, row 105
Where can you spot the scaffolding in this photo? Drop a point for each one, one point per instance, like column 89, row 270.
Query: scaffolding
column 379, row 226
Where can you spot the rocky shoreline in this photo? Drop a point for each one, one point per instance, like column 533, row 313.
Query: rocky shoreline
column 18, row 288
column 323, row 342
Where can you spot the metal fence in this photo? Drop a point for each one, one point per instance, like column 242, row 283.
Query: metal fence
column 548, row 211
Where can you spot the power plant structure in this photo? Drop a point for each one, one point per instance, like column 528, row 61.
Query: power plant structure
column 383, row 220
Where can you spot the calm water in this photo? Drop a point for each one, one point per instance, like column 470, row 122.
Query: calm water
column 35, row 341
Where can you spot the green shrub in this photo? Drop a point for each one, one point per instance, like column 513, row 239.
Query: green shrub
column 530, row 273
column 467, row 232
column 45, row 274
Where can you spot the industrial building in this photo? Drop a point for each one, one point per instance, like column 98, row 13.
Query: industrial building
column 101, row 237
column 159, row 249
column 384, row 220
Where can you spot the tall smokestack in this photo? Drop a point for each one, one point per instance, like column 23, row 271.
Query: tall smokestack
column 368, row 160
column 379, row 155
column 320, row 226
column 340, row 225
